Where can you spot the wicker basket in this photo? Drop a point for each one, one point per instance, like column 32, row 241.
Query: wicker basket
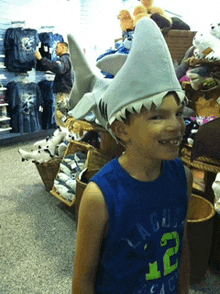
column 207, row 164
column 199, row 233
column 73, row 147
column 48, row 171
column 80, row 187
column 94, row 161
column 179, row 41
column 78, row 126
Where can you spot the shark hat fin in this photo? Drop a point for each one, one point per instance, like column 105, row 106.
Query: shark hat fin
column 112, row 63
column 82, row 72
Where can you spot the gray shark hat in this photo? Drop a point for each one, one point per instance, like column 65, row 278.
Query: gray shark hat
column 143, row 78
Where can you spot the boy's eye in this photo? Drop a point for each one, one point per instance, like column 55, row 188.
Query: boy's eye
column 156, row 117
column 179, row 113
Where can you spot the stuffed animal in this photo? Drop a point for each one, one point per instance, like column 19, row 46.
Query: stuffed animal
column 145, row 9
column 139, row 12
column 158, row 14
column 126, row 20
column 207, row 46
column 55, row 145
column 215, row 29
column 38, row 156
column 197, row 76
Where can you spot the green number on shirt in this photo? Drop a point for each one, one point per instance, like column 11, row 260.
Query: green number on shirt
column 154, row 273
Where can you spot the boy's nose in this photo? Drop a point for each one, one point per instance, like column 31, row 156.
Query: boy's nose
column 175, row 124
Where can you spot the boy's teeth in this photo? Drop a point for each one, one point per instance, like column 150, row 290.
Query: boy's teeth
column 170, row 142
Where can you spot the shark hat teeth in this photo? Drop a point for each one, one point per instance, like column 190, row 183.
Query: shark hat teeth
column 147, row 75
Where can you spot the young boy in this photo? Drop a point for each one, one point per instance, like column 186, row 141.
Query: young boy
column 131, row 234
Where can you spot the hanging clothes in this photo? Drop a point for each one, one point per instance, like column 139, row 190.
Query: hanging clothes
column 48, row 97
column 24, row 101
column 20, row 45
column 48, row 47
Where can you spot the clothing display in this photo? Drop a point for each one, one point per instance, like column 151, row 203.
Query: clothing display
column 31, row 107
column 48, row 97
column 20, row 45
column 24, row 101
column 48, row 47
column 139, row 242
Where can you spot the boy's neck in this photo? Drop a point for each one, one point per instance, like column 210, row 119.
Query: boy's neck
column 140, row 168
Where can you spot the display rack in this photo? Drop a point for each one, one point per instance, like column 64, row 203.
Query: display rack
column 5, row 118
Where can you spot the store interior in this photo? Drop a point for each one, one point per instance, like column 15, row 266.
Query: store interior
column 38, row 220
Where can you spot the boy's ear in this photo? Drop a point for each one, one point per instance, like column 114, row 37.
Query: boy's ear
column 120, row 130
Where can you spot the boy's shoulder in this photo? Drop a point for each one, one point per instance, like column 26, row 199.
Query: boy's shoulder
column 106, row 169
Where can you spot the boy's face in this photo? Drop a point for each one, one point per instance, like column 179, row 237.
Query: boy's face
column 157, row 134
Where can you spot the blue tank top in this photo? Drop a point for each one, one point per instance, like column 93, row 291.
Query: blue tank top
column 142, row 251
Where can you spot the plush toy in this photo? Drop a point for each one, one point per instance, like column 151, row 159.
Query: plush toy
column 207, row 46
column 126, row 20
column 194, row 130
column 215, row 29
column 38, row 156
column 139, row 12
column 55, row 145
column 158, row 14
column 197, row 76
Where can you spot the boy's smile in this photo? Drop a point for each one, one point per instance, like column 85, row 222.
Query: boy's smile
column 157, row 134
column 153, row 136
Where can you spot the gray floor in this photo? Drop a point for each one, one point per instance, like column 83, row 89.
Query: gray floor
column 37, row 237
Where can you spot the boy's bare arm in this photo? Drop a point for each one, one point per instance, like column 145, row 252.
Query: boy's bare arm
column 92, row 223
column 183, row 285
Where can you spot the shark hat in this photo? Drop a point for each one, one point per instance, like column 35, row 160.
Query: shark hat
column 143, row 78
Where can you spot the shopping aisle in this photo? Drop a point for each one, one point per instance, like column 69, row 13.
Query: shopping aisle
column 37, row 237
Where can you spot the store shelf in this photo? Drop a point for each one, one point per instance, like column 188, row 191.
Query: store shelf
column 5, row 130
column 4, row 118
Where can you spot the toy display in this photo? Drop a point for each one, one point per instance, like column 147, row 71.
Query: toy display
column 48, row 148
column 204, row 65
column 70, row 167
column 207, row 46
column 147, row 9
